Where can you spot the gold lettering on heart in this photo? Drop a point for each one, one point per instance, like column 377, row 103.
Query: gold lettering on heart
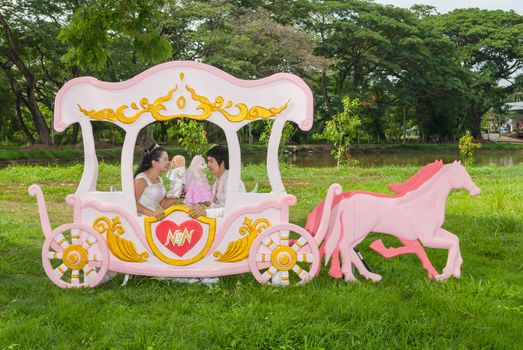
column 178, row 237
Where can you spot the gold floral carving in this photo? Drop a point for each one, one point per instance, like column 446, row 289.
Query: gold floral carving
column 239, row 250
column 120, row 247
column 111, row 115
column 242, row 111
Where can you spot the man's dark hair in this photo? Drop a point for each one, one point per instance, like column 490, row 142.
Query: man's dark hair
column 221, row 154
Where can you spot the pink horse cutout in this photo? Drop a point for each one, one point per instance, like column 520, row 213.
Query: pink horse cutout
column 418, row 214
column 410, row 246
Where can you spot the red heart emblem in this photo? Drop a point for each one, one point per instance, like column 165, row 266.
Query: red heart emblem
column 179, row 238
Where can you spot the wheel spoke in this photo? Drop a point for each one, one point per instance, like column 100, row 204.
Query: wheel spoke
column 89, row 273
column 75, row 236
column 263, row 257
column 269, row 243
column 75, row 277
column 284, row 238
column 299, row 244
column 267, row 275
column 60, row 270
column 305, row 257
column 62, row 241
column 54, row 255
column 302, row 274
column 284, row 277
column 89, row 243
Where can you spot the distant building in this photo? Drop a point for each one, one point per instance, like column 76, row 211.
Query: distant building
column 516, row 115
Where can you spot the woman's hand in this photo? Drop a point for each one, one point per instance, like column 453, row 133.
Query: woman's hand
column 197, row 210
column 167, row 202
column 158, row 215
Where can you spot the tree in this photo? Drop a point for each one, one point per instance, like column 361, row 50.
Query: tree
column 342, row 129
column 20, row 50
column 489, row 46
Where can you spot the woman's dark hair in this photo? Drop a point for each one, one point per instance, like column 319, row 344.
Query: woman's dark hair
column 153, row 152
column 221, row 154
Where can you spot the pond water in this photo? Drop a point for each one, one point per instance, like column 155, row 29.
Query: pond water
column 403, row 158
column 325, row 159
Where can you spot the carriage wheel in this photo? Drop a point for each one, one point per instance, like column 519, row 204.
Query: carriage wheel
column 75, row 256
column 273, row 260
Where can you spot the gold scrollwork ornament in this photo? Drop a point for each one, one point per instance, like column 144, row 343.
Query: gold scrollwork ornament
column 205, row 106
column 239, row 250
column 121, row 248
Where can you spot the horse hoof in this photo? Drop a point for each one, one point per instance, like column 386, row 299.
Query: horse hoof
column 442, row 277
column 374, row 277
column 350, row 279
column 335, row 274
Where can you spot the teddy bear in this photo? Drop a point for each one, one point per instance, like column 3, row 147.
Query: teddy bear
column 176, row 176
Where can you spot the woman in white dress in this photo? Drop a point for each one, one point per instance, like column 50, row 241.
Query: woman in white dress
column 149, row 189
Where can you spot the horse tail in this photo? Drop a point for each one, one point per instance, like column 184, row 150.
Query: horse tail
column 334, row 237
column 334, row 190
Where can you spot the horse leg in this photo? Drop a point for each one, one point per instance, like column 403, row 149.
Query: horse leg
column 456, row 272
column 361, row 266
column 390, row 252
column 417, row 248
column 346, row 266
column 409, row 247
column 445, row 240
column 335, row 269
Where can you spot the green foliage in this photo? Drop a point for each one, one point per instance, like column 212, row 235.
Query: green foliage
column 485, row 45
column 467, row 147
column 342, row 129
column 437, row 72
column 287, row 133
column 99, row 29
column 192, row 136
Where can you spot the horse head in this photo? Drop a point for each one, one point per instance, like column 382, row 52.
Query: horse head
column 460, row 179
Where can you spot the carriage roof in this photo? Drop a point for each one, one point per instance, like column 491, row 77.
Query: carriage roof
column 182, row 89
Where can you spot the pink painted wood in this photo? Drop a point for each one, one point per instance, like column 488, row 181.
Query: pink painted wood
column 418, row 214
column 410, row 246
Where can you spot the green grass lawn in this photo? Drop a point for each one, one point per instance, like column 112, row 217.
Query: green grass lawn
column 484, row 309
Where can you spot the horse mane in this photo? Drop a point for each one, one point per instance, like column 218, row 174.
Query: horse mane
column 426, row 186
column 422, row 176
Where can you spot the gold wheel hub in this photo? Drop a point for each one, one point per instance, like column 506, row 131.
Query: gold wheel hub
column 75, row 257
column 283, row 258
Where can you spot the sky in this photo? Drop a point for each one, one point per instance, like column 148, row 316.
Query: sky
column 443, row 6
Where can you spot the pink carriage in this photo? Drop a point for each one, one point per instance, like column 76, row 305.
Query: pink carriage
column 107, row 234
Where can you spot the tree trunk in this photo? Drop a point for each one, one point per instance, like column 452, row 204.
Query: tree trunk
column 24, row 128
column 146, row 136
column 74, row 135
column 475, row 119
column 326, row 93
column 31, row 103
column 19, row 98
column 163, row 134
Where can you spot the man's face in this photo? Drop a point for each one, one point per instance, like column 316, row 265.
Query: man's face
column 214, row 168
